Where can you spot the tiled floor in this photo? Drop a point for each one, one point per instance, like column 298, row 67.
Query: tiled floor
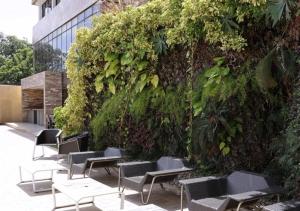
column 16, row 148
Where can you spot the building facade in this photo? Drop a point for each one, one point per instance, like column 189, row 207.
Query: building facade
column 52, row 37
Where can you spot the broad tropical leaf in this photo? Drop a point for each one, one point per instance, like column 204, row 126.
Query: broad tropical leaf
column 264, row 72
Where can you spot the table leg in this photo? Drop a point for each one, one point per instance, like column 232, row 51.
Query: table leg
column 20, row 173
column 54, row 198
column 122, row 201
column 77, row 206
column 51, row 176
column 181, row 198
column 119, row 180
column 33, row 183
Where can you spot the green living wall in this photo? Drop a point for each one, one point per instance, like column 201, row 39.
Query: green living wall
column 211, row 80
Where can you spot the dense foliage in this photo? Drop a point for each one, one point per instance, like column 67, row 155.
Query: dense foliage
column 16, row 59
column 207, row 79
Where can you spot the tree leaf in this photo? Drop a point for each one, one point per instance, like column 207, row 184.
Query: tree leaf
column 126, row 59
column 142, row 65
column 277, row 9
column 112, row 87
column 226, row 151
column 154, row 80
column 99, row 84
column 264, row 72
column 222, row 145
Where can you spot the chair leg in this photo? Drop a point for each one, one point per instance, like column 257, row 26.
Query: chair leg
column 162, row 186
column 239, row 206
column 43, row 150
column 150, row 191
column 33, row 154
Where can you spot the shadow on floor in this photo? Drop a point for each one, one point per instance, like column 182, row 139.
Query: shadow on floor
column 28, row 189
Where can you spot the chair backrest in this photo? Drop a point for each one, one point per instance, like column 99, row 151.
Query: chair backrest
column 83, row 140
column 242, row 181
column 167, row 163
column 206, row 189
column 113, row 151
column 48, row 136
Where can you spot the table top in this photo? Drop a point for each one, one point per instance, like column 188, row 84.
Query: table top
column 78, row 189
column 42, row 165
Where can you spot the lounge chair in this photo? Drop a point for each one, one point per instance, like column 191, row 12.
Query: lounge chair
column 74, row 143
column 219, row 194
column 47, row 137
column 84, row 162
column 135, row 175
column 283, row 206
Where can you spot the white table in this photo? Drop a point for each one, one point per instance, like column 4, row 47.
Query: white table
column 80, row 189
column 39, row 166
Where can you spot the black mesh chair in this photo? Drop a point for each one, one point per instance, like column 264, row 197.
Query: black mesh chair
column 135, row 175
column 74, row 143
column 47, row 137
column 84, row 162
column 232, row 191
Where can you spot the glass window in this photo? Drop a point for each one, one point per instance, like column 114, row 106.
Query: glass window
column 81, row 24
column 74, row 21
column 64, row 42
column 58, row 31
column 64, row 28
column 54, row 44
column 96, row 8
column 88, row 12
column 59, row 42
column 50, row 36
column 88, row 22
column 80, row 17
column 74, row 33
column 69, row 39
column 69, row 25
column 46, row 7
column 54, row 34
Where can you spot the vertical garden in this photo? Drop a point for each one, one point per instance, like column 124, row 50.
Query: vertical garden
column 216, row 81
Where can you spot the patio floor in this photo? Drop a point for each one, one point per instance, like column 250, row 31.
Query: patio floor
column 16, row 147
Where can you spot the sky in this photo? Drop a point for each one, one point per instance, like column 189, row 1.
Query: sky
column 17, row 17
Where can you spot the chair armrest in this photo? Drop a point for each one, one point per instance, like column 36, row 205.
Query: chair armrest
column 131, row 169
column 81, row 157
column 169, row 172
column 59, row 134
column 104, row 159
column 39, row 133
column 196, row 180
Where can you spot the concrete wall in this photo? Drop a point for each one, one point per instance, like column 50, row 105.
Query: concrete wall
column 63, row 12
column 10, row 104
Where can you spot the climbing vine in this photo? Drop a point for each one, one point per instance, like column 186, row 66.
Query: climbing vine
column 205, row 79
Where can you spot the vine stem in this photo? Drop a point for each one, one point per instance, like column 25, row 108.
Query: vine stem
column 190, row 73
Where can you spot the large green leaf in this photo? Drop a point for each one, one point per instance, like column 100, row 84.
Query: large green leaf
column 264, row 72
column 278, row 8
column 112, row 87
